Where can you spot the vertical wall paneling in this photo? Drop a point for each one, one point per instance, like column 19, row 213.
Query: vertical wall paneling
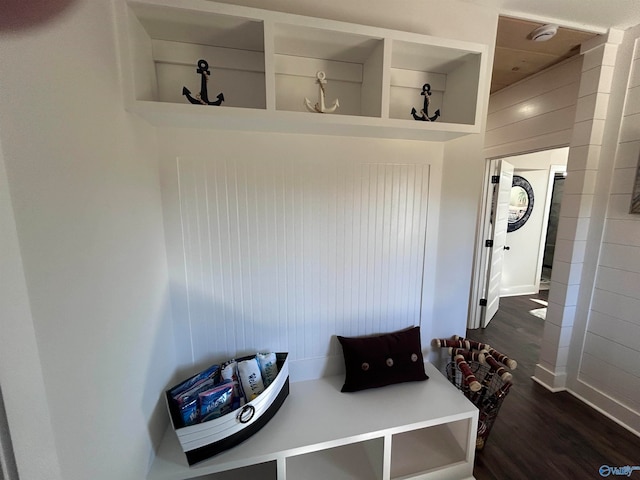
column 582, row 216
column 612, row 347
column 284, row 255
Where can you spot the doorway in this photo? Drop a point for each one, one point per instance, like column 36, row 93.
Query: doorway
column 557, row 191
column 521, row 269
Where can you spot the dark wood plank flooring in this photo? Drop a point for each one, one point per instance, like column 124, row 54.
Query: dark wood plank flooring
column 539, row 434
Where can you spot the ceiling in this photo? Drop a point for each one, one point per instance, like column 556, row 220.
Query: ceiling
column 588, row 15
column 578, row 15
column 517, row 57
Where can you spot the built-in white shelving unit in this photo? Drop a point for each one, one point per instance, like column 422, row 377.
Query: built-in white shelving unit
column 266, row 62
column 419, row 430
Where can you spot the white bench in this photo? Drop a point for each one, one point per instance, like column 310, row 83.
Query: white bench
column 418, row 430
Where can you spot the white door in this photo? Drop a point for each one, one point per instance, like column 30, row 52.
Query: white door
column 498, row 236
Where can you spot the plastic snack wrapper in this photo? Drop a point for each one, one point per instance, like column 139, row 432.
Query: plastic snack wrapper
column 192, row 393
column 250, row 378
column 189, row 412
column 216, row 402
column 211, row 372
column 268, row 367
column 229, row 373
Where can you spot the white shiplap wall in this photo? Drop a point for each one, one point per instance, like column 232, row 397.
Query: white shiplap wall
column 283, row 254
column 611, row 355
column 535, row 114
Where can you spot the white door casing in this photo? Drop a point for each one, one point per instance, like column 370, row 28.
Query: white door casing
column 498, row 236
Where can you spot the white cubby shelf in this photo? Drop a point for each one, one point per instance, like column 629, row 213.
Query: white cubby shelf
column 265, row 63
column 418, row 430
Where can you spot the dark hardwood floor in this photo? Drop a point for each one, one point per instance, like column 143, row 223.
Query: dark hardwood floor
column 539, row 434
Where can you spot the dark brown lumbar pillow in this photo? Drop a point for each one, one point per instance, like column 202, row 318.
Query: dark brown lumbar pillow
column 382, row 360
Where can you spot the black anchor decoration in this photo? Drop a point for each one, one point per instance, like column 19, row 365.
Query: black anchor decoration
column 424, row 113
column 202, row 98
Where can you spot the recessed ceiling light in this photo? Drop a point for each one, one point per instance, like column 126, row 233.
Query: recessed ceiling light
column 543, row 33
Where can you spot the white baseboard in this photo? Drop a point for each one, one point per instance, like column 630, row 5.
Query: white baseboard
column 621, row 414
column 519, row 290
column 611, row 408
column 554, row 382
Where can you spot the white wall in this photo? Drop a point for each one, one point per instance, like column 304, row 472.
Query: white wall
column 522, row 265
column 462, row 181
column 86, row 338
column 608, row 374
column 30, row 428
column 536, row 113
column 281, row 242
column 85, row 199
column 457, row 19
column 594, row 340
column 441, row 311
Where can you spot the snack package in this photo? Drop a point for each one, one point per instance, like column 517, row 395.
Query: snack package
column 250, row 378
column 215, row 402
column 189, row 413
column 211, row 372
column 229, row 373
column 192, row 394
column 268, row 367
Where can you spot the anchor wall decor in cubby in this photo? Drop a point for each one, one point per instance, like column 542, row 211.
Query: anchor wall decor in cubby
column 168, row 43
column 452, row 75
column 352, row 64
column 265, row 64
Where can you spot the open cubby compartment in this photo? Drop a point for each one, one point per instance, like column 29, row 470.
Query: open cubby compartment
column 430, row 452
column 453, row 74
column 352, row 63
column 352, row 461
column 167, row 42
column 263, row 471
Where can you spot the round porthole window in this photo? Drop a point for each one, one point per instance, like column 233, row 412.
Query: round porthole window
column 520, row 204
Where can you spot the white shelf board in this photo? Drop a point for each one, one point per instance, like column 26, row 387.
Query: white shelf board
column 426, row 450
column 303, row 41
column 164, row 114
column 330, row 419
column 203, row 27
column 200, row 27
column 347, row 462
column 417, row 57
column 263, row 471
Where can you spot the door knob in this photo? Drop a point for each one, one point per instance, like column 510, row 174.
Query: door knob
column 507, row 247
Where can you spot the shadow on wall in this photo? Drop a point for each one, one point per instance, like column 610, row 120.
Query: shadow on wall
column 7, row 460
column 24, row 14
column 207, row 317
column 160, row 374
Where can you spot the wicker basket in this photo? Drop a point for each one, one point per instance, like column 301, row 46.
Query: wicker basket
column 488, row 399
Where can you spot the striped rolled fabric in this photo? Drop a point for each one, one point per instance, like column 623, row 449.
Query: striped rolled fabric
column 473, row 345
column 509, row 362
column 448, row 343
column 467, row 374
column 462, row 342
column 468, row 355
column 499, row 369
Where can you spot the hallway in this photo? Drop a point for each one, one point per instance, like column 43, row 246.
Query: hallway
column 539, row 434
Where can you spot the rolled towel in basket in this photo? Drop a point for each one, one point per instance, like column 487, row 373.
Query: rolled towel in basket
column 509, row 362
column 469, row 356
column 460, row 342
column 499, row 369
column 468, row 377
column 472, row 344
